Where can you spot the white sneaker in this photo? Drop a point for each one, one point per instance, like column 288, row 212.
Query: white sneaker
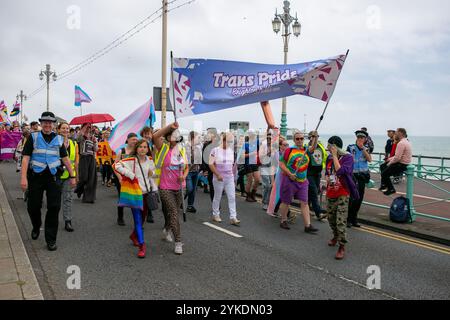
column 235, row 222
column 167, row 235
column 216, row 218
column 178, row 248
column 265, row 206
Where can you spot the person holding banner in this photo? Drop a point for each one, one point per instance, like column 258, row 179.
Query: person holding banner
column 72, row 151
column 171, row 171
column 294, row 183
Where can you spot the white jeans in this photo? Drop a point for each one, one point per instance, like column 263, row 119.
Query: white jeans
column 219, row 186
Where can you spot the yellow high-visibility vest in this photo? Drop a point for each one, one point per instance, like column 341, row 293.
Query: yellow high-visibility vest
column 161, row 156
column 72, row 155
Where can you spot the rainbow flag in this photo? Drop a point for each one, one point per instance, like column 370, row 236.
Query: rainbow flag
column 16, row 110
column 81, row 96
column 130, row 191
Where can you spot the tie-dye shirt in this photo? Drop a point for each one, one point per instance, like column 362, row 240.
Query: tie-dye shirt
column 296, row 160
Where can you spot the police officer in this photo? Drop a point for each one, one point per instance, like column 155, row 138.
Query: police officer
column 361, row 174
column 41, row 171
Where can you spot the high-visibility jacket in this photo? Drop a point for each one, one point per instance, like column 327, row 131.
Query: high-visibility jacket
column 72, row 155
column 45, row 154
column 161, row 156
column 324, row 153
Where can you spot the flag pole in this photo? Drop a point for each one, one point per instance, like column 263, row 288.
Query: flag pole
column 326, row 106
column 324, row 110
column 175, row 116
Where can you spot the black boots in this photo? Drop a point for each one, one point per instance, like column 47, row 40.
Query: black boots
column 68, row 226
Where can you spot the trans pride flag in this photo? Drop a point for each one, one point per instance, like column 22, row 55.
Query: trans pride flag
column 81, row 96
column 206, row 85
column 139, row 118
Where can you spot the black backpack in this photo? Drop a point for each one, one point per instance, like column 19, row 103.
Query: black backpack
column 400, row 210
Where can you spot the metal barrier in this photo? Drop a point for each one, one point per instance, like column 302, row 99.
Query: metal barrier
column 419, row 172
column 426, row 167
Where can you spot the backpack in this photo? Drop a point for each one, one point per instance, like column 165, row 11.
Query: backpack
column 400, row 210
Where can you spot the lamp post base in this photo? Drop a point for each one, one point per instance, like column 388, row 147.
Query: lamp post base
column 283, row 126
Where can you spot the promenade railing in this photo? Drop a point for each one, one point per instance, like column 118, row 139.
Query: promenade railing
column 420, row 171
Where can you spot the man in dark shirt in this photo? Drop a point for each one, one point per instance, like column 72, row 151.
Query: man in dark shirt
column 389, row 144
column 41, row 170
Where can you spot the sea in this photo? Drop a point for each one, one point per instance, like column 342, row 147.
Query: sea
column 437, row 147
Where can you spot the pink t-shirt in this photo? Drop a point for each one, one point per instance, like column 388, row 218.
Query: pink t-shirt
column 224, row 161
column 173, row 167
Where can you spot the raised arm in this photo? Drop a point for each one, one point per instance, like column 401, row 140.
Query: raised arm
column 162, row 133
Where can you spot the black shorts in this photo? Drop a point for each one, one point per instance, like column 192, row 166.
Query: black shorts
column 250, row 168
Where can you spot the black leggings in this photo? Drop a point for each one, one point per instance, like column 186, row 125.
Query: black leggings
column 106, row 172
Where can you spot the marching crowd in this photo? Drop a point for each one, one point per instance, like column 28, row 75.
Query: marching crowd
column 157, row 164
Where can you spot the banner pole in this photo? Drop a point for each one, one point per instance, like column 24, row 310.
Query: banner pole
column 324, row 110
column 175, row 116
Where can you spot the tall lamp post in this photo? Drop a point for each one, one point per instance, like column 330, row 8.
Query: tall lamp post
column 47, row 73
column 22, row 97
column 286, row 19
column 164, row 64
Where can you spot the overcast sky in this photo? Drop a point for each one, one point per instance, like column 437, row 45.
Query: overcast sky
column 397, row 73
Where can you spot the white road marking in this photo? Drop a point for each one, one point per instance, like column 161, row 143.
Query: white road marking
column 222, row 229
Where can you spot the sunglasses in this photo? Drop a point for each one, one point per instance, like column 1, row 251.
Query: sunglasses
column 298, row 139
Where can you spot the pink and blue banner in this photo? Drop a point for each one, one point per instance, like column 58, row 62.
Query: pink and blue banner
column 81, row 96
column 203, row 85
column 139, row 118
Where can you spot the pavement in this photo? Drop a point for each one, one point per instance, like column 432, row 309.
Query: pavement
column 257, row 260
column 17, row 278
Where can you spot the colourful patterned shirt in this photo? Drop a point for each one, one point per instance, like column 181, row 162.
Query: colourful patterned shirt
column 296, row 160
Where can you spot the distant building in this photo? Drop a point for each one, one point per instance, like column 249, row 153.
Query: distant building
column 239, row 126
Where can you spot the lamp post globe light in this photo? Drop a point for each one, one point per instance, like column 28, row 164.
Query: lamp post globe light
column 48, row 73
column 284, row 21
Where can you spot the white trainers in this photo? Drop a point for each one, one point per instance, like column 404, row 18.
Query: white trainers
column 167, row 235
column 235, row 222
column 216, row 218
column 265, row 206
column 178, row 248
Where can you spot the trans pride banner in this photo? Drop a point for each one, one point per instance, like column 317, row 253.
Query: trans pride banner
column 202, row 85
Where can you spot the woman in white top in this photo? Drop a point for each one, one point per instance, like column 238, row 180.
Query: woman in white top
column 221, row 163
column 131, row 168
